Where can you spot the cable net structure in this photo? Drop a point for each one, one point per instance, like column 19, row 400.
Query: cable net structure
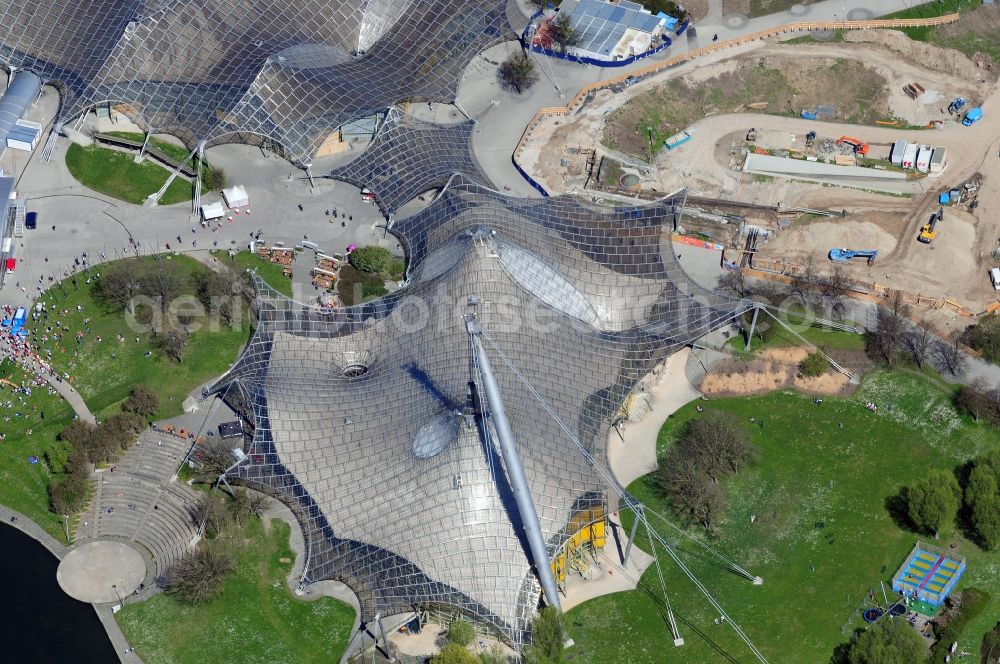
column 285, row 74
column 366, row 422
column 409, row 157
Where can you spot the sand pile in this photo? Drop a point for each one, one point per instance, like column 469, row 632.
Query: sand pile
column 819, row 237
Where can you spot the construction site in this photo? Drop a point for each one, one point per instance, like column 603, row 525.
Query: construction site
column 867, row 154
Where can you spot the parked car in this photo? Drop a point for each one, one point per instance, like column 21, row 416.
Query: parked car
column 31, row 220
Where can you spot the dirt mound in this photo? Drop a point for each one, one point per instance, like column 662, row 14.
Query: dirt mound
column 856, row 91
column 932, row 57
column 817, row 238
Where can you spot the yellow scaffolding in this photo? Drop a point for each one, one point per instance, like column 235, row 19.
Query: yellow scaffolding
column 589, row 529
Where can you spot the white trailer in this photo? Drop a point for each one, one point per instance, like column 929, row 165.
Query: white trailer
column 939, row 160
column 910, row 156
column 924, row 158
column 896, row 154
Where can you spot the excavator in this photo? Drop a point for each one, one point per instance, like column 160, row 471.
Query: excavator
column 929, row 230
column 860, row 147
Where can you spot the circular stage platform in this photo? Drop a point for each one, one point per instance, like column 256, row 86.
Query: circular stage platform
column 100, row 572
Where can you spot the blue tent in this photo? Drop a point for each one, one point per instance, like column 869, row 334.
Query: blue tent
column 670, row 21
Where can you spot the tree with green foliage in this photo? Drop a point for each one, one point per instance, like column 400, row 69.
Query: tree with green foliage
column 142, row 401
column 461, row 633
column 932, row 502
column 984, row 336
column 453, row 653
column 548, row 637
column 371, row 259
column 517, row 73
column 888, row 642
column 198, row 576
column 982, row 500
column 563, row 32
column 814, row 364
column 495, row 655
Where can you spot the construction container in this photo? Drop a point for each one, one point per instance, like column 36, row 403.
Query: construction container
column 924, row 158
column 677, row 140
column 896, row 154
column 910, row 155
column 938, row 160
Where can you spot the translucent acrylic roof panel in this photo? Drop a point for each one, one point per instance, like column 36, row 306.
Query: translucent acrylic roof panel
column 364, row 418
column 223, row 70
column 409, row 157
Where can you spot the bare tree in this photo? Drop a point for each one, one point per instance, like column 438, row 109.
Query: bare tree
column 198, row 576
column 120, row 283
column 950, row 357
column 720, row 440
column 803, row 282
column 918, row 342
column 215, row 458
column 890, row 325
column 835, row 288
column 213, row 511
column 563, row 33
column 733, row 282
column 162, row 284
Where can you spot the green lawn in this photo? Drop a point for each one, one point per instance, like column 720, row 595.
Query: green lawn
column 255, row 620
column 770, row 334
column 822, row 537
column 270, row 272
column 23, row 485
column 103, row 380
column 116, row 174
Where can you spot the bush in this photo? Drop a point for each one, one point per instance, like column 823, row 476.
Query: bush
column 371, row 289
column 461, row 633
column 454, row 654
column 198, row 577
column 371, row 259
column 815, row 364
column 57, row 456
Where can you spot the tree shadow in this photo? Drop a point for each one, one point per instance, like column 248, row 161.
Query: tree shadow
column 895, row 505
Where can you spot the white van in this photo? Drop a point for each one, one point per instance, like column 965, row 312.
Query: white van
column 995, row 277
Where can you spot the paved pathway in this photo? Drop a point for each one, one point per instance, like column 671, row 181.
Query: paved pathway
column 41, row 369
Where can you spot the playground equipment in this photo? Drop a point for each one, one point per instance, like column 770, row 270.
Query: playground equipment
column 929, row 574
column 860, row 147
column 845, row 255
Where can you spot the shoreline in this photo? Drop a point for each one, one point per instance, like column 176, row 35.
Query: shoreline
column 59, row 551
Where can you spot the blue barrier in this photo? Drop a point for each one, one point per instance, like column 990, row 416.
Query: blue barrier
column 539, row 188
column 684, row 26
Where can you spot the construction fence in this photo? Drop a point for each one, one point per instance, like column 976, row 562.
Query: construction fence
column 814, row 26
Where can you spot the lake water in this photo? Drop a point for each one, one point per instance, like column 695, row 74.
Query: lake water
column 39, row 623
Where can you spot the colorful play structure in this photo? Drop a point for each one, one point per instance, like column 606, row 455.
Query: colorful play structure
column 589, row 528
column 844, row 255
column 929, row 574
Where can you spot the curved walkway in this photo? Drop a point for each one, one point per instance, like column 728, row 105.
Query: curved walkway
column 632, row 446
column 42, row 370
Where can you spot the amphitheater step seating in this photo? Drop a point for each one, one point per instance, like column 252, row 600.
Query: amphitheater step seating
column 138, row 501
